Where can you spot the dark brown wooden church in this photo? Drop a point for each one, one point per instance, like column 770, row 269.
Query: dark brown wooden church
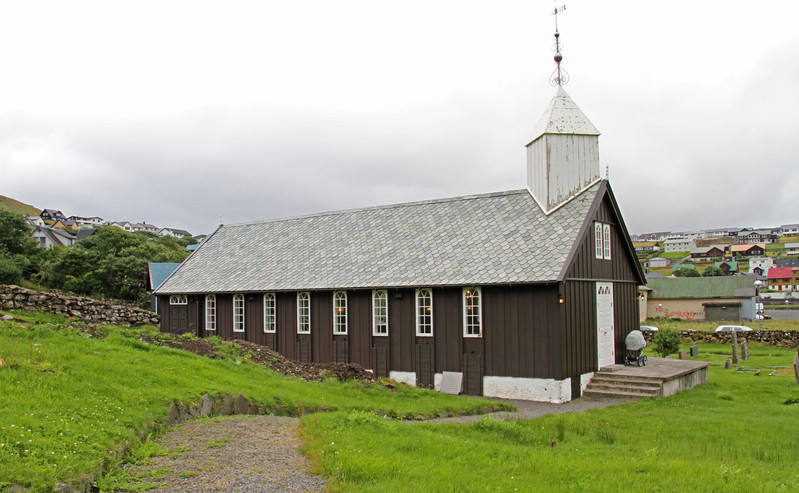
column 527, row 293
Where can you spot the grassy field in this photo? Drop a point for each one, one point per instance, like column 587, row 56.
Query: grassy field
column 74, row 406
column 736, row 433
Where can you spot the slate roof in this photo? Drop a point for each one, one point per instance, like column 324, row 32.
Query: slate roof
column 702, row 287
column 483, row 239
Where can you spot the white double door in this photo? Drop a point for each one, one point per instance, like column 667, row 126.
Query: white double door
column 604, row 323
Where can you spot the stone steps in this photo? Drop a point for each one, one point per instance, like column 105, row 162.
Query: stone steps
column 609, row 384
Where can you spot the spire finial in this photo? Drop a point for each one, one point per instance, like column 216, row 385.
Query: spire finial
column 559, row 77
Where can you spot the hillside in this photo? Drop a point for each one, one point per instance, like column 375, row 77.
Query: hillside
column 9, row 204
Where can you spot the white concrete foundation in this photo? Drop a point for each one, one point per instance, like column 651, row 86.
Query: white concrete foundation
column 437, row 381
column 585, row 379
column 408, row 377
column 529, row 389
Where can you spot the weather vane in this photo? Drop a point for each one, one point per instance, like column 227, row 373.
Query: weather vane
column 559, row 77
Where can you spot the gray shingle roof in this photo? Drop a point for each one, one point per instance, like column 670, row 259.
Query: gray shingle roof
column 484, row 239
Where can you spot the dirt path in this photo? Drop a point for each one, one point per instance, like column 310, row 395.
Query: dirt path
column 236, row 454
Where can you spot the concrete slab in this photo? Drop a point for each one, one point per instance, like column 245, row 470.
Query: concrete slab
column 664, row 368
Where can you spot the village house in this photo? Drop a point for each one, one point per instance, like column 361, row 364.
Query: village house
column 748, row 250
column 783, row 279
column 707, row 252
column 48, row 237
column 792, row 249
column 527, row 292
column 678, row 244
column 760, row 265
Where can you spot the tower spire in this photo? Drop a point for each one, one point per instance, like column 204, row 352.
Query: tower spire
column 559, row 77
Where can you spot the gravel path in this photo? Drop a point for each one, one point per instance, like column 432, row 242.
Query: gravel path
column 531, row 410
column 236, row 454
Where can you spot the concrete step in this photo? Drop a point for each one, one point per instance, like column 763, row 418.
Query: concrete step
column 618, row 395
column 615, row 377
column 626, row 389
column 645, row 382
column 611, row 384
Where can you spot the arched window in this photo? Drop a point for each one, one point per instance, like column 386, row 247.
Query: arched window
column 238, row 313
column 210, row 312
column 424, row 312
column 270, row 313
column 303, row 313
column 380, row 313
column 472, row 313
column 340, row 313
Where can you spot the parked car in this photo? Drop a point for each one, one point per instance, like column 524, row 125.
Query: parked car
column 649, row 327
column 731, row 328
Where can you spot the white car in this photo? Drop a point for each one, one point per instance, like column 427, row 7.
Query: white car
column 735, row 328
column 649, row 327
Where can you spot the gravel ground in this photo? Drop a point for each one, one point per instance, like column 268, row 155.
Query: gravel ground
column 236, row 454
column 530, row 409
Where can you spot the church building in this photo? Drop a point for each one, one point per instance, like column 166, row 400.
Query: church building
column 526, row 292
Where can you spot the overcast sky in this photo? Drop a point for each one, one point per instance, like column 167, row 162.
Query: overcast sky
column 177, row 113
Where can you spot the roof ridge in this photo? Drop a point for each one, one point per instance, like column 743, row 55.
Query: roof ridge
column 417, row 203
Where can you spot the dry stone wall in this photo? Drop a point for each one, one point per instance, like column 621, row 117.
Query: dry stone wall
column 784, row 338
column 87, row 309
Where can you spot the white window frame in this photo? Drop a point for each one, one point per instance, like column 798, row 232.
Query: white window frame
column 270, row 313
column 606, row 241
column 340, row 313
column 424, row 329
column 380, row 313
column 178, row 299
column 238, row 313
column 210, row 312
column 468, row 312
column 598, row 250
column 304, row 312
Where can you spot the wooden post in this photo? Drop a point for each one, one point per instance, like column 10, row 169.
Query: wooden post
column 734, row 348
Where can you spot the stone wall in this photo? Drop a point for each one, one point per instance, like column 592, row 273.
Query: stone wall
column 87, row 309
column 784, row 338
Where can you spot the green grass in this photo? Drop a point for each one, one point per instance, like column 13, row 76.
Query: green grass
column 73, row 406
column 675, row 255
column 18, row 207
column 734, row 433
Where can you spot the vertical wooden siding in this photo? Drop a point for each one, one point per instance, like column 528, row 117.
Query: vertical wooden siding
column 521, row 328
column 579, row 342
column 585, row 265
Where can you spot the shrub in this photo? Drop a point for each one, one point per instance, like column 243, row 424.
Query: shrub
column 686, row 272
column 666, row 341
column 10, row 273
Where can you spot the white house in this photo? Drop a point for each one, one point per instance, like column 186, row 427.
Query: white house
column 761, row 263
column 87, row 222
column 658, row 262
column 49, row 237
column 679, row 244
column 790, row 229
column 792, row 248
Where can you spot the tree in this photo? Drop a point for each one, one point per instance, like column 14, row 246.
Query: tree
column 686, row 272
column 713, row 271
column 111, row 263
column 666, row 341
column 14, row 234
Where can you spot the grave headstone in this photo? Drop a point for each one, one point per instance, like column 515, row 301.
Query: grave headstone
column 796, row 367
column 744, row 349
column 695, row 350
column 727, row 364
column 682, row 354
column 734, row 348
